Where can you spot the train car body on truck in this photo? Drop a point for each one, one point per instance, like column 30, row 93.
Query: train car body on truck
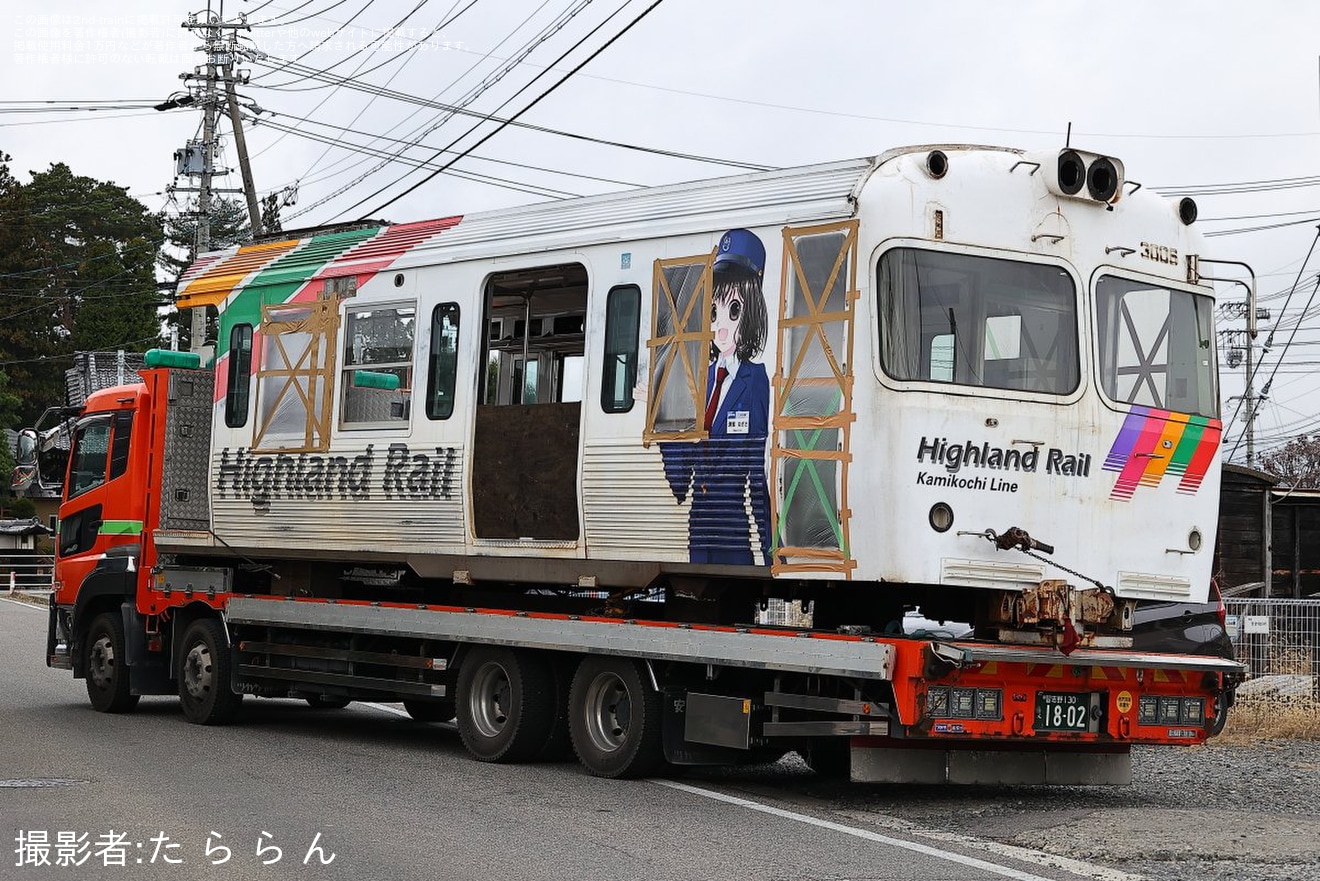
column 544, row 468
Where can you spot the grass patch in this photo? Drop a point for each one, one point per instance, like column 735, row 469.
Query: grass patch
column 1264, row 716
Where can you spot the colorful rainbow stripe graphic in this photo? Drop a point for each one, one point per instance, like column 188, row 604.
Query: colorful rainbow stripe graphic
column 240, row 282
column 1153, row 442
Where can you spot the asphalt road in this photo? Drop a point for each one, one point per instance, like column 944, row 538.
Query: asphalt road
column 392, row 799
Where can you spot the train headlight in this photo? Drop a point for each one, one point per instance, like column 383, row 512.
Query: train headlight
column 1102, row 179
column 1087, row 177
column 1070, row 173
column 941, row 517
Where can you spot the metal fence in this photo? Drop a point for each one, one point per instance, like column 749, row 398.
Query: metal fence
column 27, row 572
column 1279, row 640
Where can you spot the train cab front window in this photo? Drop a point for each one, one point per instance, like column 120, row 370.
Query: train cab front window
column 977, row 321
column 1156, row 346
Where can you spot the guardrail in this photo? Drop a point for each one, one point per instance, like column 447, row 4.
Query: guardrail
column 1279, row 640
column 28, row 572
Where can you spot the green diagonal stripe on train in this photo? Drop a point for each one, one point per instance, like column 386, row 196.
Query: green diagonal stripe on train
column 120, row 527
column 1191, row 439
column 282, row 278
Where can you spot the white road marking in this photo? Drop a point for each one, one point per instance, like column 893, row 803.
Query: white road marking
column 34, row 608
column 385, row 708
column 1026, row 855
column 928, row 850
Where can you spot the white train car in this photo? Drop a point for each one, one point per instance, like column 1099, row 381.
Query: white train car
column 538, row 469
column 894, row 381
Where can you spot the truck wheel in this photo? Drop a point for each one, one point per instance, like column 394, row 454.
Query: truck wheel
column 430, row 711
column 614, row 719
column 107, row 674
column 504, row 705
column 204, row 668
column 1220, row 718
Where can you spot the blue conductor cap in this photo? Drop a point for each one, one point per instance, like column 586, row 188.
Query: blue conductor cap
column 742, row 248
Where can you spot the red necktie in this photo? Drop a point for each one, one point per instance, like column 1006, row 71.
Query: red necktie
column 714, row 403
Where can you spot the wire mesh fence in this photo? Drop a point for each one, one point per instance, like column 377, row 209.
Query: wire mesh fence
column 1279, row 641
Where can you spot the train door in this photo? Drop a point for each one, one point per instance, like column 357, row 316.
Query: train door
column 525, row 458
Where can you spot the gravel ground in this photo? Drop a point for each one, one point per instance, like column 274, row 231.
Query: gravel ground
column 1248, row 813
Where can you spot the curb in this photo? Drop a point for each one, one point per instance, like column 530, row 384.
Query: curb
column 31, row 598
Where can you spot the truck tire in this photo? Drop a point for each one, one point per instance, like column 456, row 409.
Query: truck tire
column 205, row 663
column 430, row 711
column 107, row 674
column 505, row 709
column 1220, row 718
column 614, row 719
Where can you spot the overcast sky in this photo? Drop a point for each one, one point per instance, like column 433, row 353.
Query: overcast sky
column 1185, row 93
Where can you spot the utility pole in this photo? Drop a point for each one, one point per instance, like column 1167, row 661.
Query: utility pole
column 240, row 142
column 219, row 38
column 209, row 108
column 1242, row 351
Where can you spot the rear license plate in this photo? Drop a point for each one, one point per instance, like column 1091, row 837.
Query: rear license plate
column 1063, row 711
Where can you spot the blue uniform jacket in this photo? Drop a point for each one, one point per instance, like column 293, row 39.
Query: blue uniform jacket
column 723, row 472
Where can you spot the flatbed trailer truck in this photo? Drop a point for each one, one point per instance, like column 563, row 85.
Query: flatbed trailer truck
column 544, row 470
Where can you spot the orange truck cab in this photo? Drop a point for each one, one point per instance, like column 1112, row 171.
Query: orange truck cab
column 104, row 552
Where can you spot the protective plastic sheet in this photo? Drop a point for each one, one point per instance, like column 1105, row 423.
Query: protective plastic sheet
column 813, row 407
column 295, row 377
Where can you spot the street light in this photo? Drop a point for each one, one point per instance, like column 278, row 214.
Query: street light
column 178, row 99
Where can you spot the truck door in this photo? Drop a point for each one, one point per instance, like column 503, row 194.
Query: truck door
column 525, row 460
column 99, row 510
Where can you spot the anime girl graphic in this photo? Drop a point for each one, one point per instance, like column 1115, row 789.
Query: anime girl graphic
column 724, row 475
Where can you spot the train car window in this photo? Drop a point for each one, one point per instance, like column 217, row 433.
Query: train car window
column 378, row 345
column 623, row 310
column 122, row 426
column 977, row 321
column 295, row 376
column 238, row 386
column 680, row 348
column 1156, row 346
column 442, row 375
column 814, row 408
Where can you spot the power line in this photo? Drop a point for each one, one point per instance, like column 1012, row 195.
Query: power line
column 532, row 189
column 420, row 132
column 382, row 35
column 370, row 151
column 327, row 97
column 270, row 22
column 261, row 58
column 545, row 94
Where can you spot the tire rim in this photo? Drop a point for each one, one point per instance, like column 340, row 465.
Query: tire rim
column 609, row 712
column 490, row 699
column 197, row 671
column 101, row 662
